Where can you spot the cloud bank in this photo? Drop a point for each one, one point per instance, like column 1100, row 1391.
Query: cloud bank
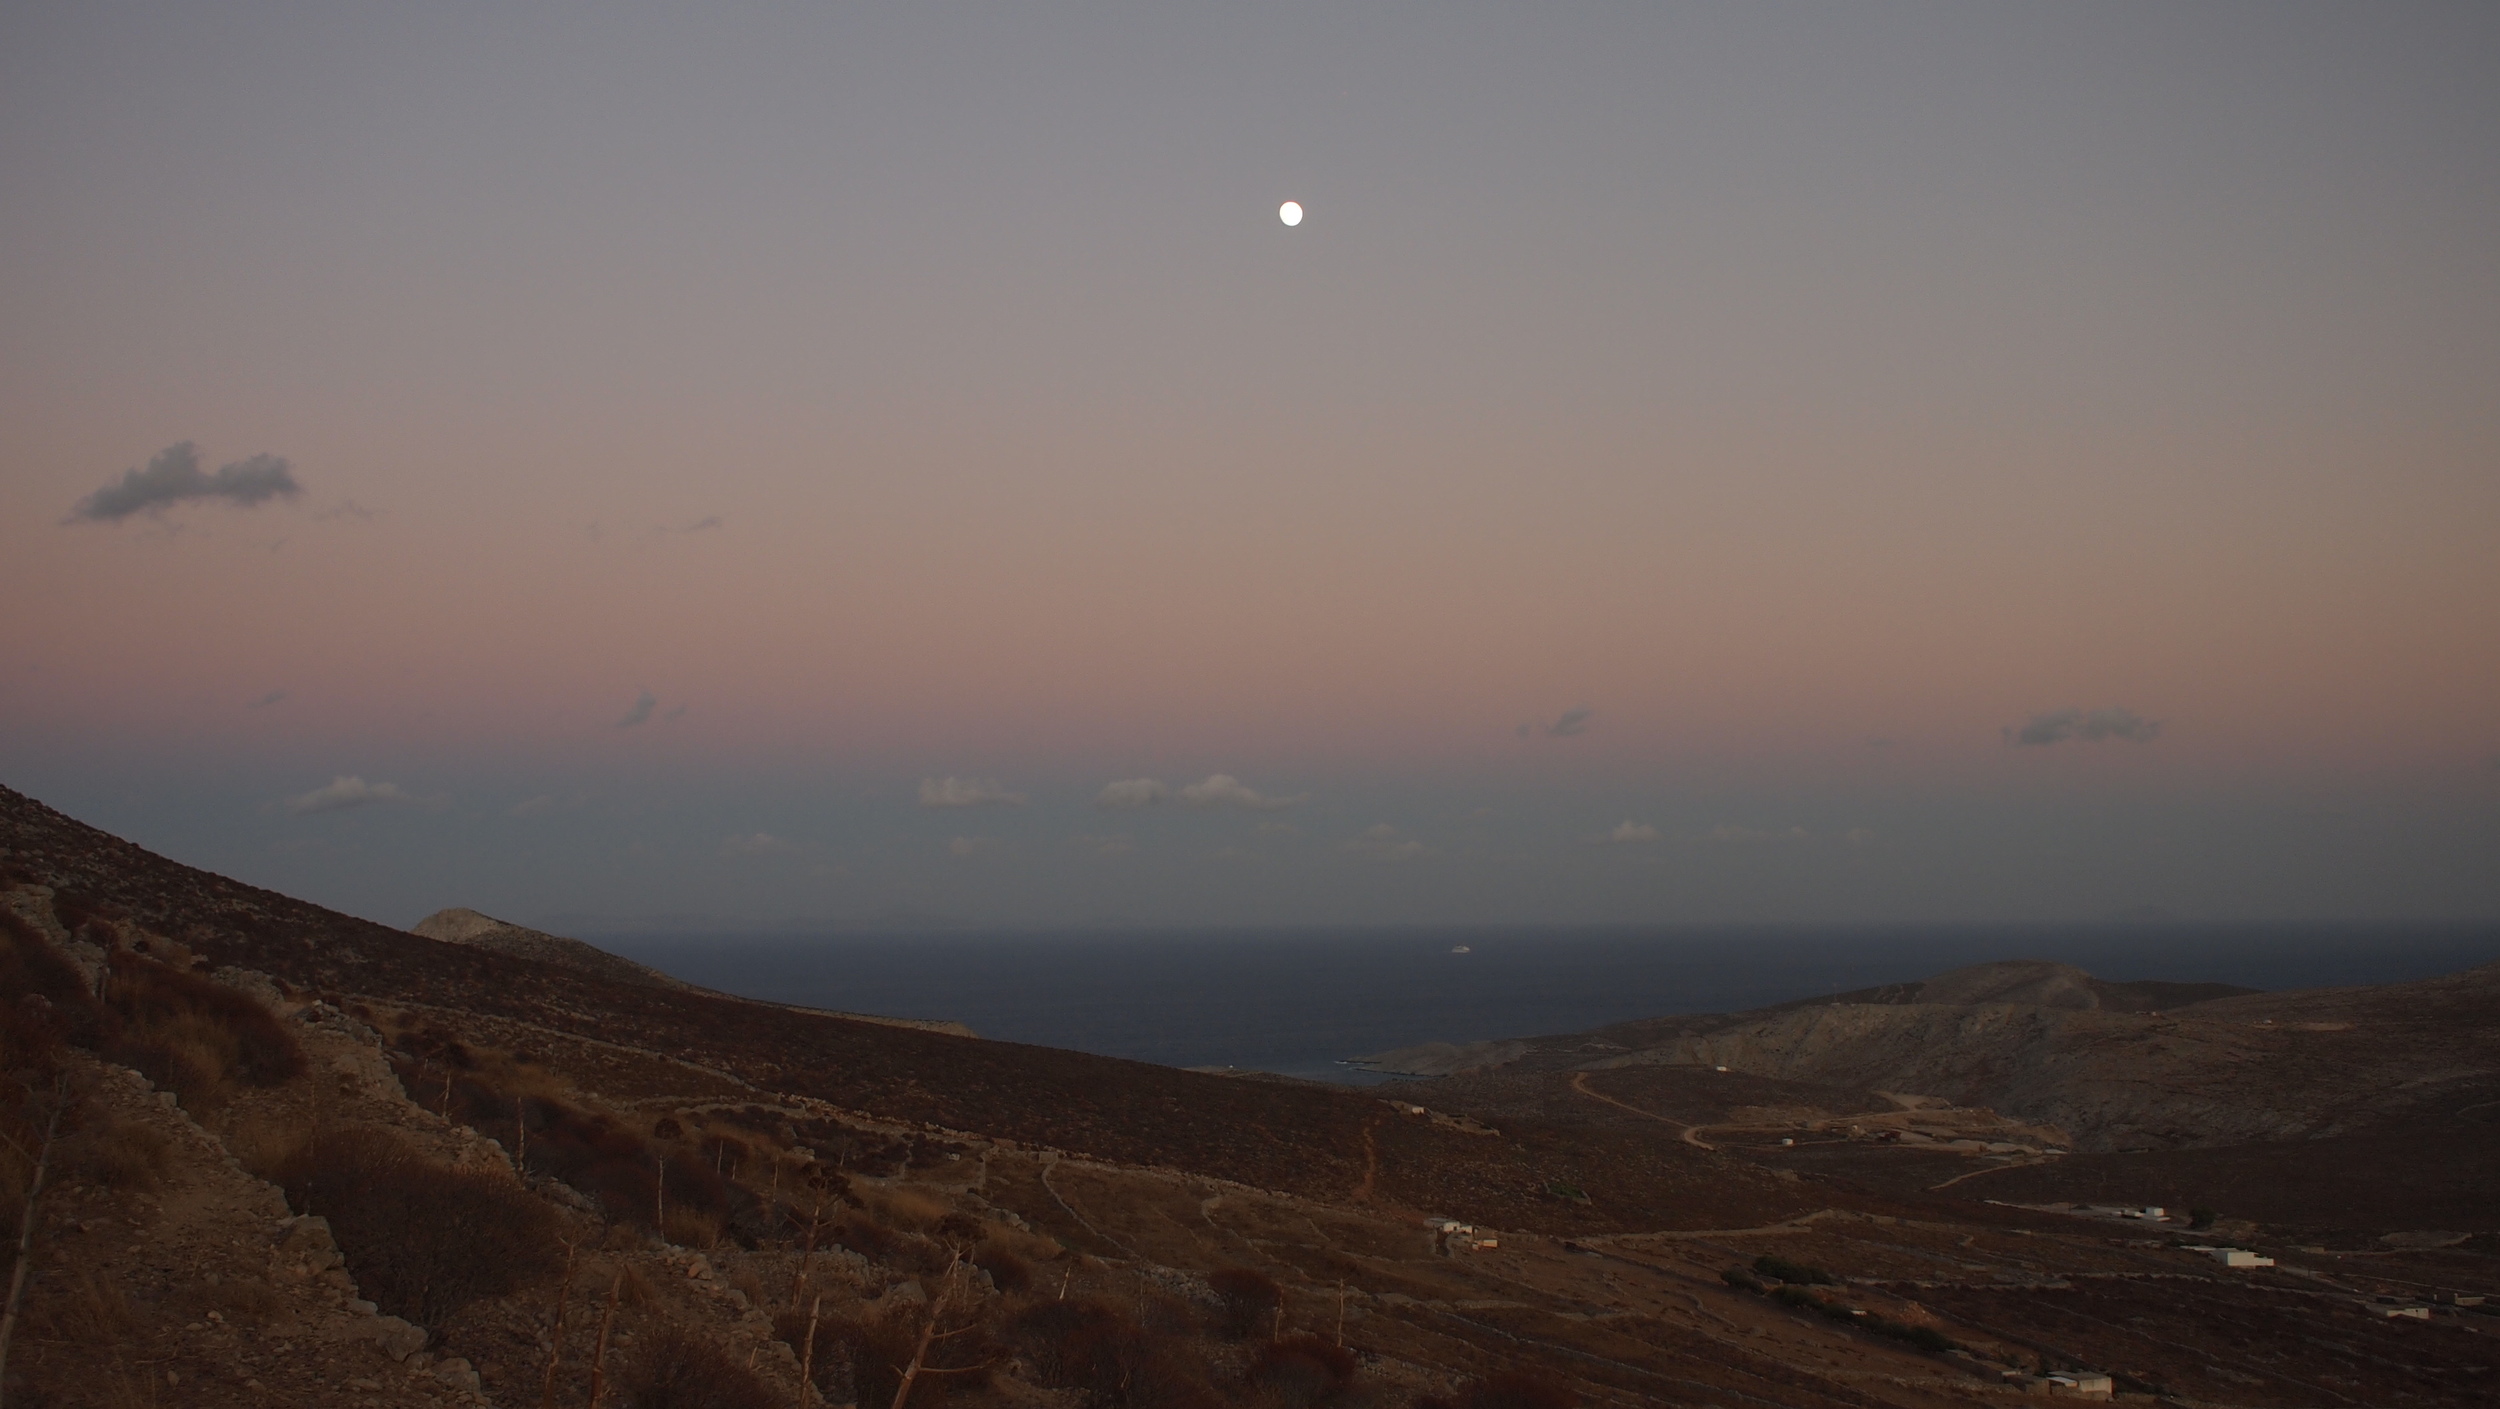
column 344, row 792
column 174, row 477
column 967, row 792
column 2090, row 725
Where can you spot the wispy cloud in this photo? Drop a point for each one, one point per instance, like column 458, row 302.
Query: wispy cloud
column 2090, row 725
column 344, row 792
column 1132, row 792
column 1571, row 724
column 756, row 844
column 1382, row 842
column 1225, row 790
column 174, row 477
column 267, row 700
column 639, row 711
column 1631, row 833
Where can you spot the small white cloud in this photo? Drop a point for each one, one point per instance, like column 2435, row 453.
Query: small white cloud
column 973, row 846
column 1279, row 829
column 1731, row 832
column 1482, row 814
column 967, row 792
column 756, row 844
column 1132, row 792
column 1859, row 836
column 344, row 792
column 1381, row 842
column 639, row 711
column 1225, row 790
column 1631, row 833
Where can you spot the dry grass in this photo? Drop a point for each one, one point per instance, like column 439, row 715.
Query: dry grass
column 76, row 1307
column 422, row 1239
column 117, row 1154
column 196, row 1038
column 908, row 1209
column 676, row 1367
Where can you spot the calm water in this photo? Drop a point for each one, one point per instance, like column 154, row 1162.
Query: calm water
column 1298, row 1001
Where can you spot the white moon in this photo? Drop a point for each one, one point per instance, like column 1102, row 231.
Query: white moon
column 1290, row 212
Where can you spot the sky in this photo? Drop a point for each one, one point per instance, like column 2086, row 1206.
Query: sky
column 746, row 464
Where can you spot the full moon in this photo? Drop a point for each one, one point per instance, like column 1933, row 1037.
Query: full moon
column 1290, row 212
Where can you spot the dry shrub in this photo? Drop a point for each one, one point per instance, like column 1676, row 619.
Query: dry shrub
column 422, row 1239
column 1008, row 1272
column 77, row 1307
column 263, row 1143
column 118, row 1154
column 1303, row 1371
column 676, row 1367
column 30, row 966
column 1246, row 1300
column 882, row 1245
column 691, row 1228
column 192, row 1036
column 1507, row 1389
column 1090, row 1345
column 908, row 1209
column 860, row 1357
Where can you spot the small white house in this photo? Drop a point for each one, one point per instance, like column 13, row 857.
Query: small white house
column 2237, row 1257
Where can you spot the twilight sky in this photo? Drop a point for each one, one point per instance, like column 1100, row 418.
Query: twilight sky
column 1726, row 462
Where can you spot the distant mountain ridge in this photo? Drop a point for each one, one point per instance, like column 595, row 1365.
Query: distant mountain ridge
column 465, row 926
column 2118, row 1065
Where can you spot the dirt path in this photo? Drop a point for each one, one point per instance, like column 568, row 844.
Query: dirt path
column 1580, row 1083
column 1371, row 1165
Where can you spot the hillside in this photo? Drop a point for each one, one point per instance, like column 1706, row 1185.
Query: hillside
column 309, row 1159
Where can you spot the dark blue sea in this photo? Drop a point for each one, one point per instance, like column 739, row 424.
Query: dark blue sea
column 1300, row 1001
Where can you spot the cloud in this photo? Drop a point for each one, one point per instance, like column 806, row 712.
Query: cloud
column 1631, row 833
column 343, row 792
column 641, row 710
column 175, row 477
column 1233, row 853
column 967, row 792
column 973, row 846
column 1731, row 832
column 1132, row 792
column 1104, row 848
column 267, row 700
column 1570, row 725
column 759, row 844
column 708, row 521
column 534, row 806
column 2090, row 725
column 1225, row 790
column 1381, row 842
column 1859, row 836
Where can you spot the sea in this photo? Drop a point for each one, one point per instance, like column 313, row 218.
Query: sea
column 1301, row 1002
